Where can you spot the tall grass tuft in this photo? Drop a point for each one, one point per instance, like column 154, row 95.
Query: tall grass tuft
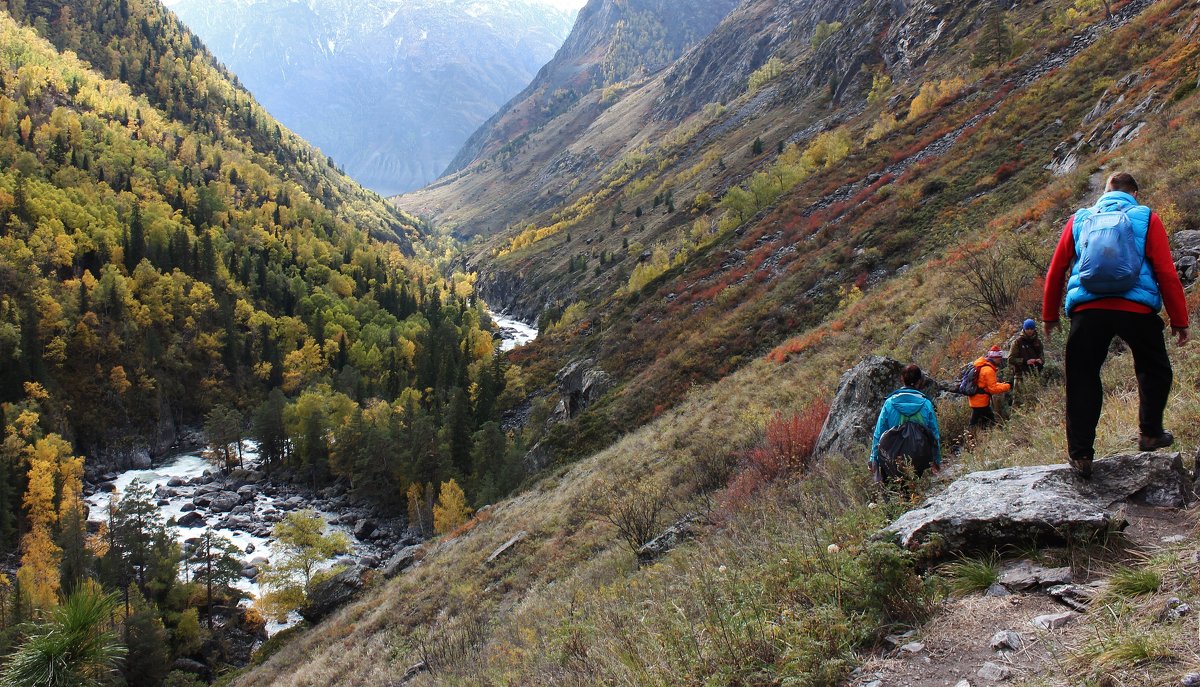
column 970, row 575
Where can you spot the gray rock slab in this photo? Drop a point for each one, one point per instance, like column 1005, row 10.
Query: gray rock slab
column 1046, row 502
column 1054, row 621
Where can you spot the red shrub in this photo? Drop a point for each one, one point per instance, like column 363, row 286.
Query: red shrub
column 786, row 448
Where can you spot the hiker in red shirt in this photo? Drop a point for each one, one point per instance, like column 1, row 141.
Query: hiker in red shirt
column 1114, row 263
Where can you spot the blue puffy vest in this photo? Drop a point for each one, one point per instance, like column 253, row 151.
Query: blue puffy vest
column 1146, row 291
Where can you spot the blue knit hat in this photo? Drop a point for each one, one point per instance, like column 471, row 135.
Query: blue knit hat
column 1029, row 324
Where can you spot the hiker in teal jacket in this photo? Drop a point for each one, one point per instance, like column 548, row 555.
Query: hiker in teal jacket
column 907, row 402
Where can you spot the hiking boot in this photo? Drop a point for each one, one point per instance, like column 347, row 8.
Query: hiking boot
column 1081, row 466
column 1149, row 443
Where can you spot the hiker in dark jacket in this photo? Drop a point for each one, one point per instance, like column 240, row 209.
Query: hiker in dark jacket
column 1132, row 315
column 989, row 385
column 1026, row 354
column 908, row 403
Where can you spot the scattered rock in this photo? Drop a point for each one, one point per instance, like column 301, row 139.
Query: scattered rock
column 250, row 547
column 913, row 647
column 670, row 538
column 327, row 596
column 1015, row 505
column 1174, row 539
column 187, row 665
column 1175, row 609
column 994, row 672
column 1191, row 680
column 176, row 482
column 250, row 572
column 997, row 590
column 401, row 561
column 1053, row 621
column 247, row 492
column 1072, row 595
column 963, row 683
column 506, row 546
column 897, row 640
column 1006, row 640
column 855, row 408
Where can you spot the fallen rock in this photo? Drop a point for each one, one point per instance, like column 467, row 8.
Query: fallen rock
column 1006, row 640
column 401, row 561
column 328, row 596
column 994, row 672
column 670, row 538
column 1072, row 595
column 985, row 510
column 855, row 408
column 913, row 647
column 506, row 546
column 1053, row 621
column 1024, row 575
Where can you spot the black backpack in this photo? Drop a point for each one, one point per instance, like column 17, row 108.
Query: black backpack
column 909, row 442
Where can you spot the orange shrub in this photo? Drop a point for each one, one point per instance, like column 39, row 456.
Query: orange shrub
column 786, row 448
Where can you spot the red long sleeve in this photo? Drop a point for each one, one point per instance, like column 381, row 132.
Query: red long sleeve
column 1162, row 265
column 1056, row 276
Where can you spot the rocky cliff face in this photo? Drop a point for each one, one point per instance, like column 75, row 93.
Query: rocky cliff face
column 612, row 41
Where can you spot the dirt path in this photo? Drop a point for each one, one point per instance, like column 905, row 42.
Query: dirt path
column 957, row 643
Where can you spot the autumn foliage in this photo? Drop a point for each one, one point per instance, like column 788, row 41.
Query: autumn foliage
column 786, row 448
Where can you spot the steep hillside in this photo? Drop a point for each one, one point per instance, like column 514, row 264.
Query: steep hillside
column 877, row 233
column 401, row 84
column 612, row 44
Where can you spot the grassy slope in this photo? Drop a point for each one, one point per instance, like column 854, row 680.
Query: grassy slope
column 572, row 584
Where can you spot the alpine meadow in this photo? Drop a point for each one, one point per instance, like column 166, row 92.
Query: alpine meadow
column 609, row 402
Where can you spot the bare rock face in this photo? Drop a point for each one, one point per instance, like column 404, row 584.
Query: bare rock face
column 580, row 384
column 1045, row 502
column 855, row 408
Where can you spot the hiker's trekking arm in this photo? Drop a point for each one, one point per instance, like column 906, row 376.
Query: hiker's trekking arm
column 1056, row 277
column 932, row 423
column 1158, row 253
column 881, row 426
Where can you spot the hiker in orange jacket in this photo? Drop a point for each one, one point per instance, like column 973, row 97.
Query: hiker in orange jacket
column 989, row 385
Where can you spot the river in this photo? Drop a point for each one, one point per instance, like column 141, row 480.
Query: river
column 181, row 480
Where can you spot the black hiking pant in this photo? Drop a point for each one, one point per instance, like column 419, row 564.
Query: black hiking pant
column 983, row 417
column 1092, row 332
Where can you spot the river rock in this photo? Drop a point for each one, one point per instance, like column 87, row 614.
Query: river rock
column 855, row 408
column 188, row 507
column 985, row 510
column 250, row 547
column 162, row 502
column 250, row 572
column 223, row 501
column 364, row 528
column 247, row 493
column 191, row 519
column 338, row 590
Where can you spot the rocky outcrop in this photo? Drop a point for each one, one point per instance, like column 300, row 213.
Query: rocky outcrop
column 855, row 408
column 328, row 596
column 580, row 384
column 672, row 537
column 987, row 510
column 403, row 559
column 1186, row 245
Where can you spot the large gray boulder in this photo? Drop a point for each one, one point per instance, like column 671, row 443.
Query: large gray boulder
column 333, row 593
column 223, row 501
column 855, row 407
column 403, row 559
column 580, row 384
column 985, row 510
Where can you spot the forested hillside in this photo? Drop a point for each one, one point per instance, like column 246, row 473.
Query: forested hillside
column 169, row 255
column 868, row 178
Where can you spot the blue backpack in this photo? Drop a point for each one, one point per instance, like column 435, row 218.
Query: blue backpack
column 1109, row 259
